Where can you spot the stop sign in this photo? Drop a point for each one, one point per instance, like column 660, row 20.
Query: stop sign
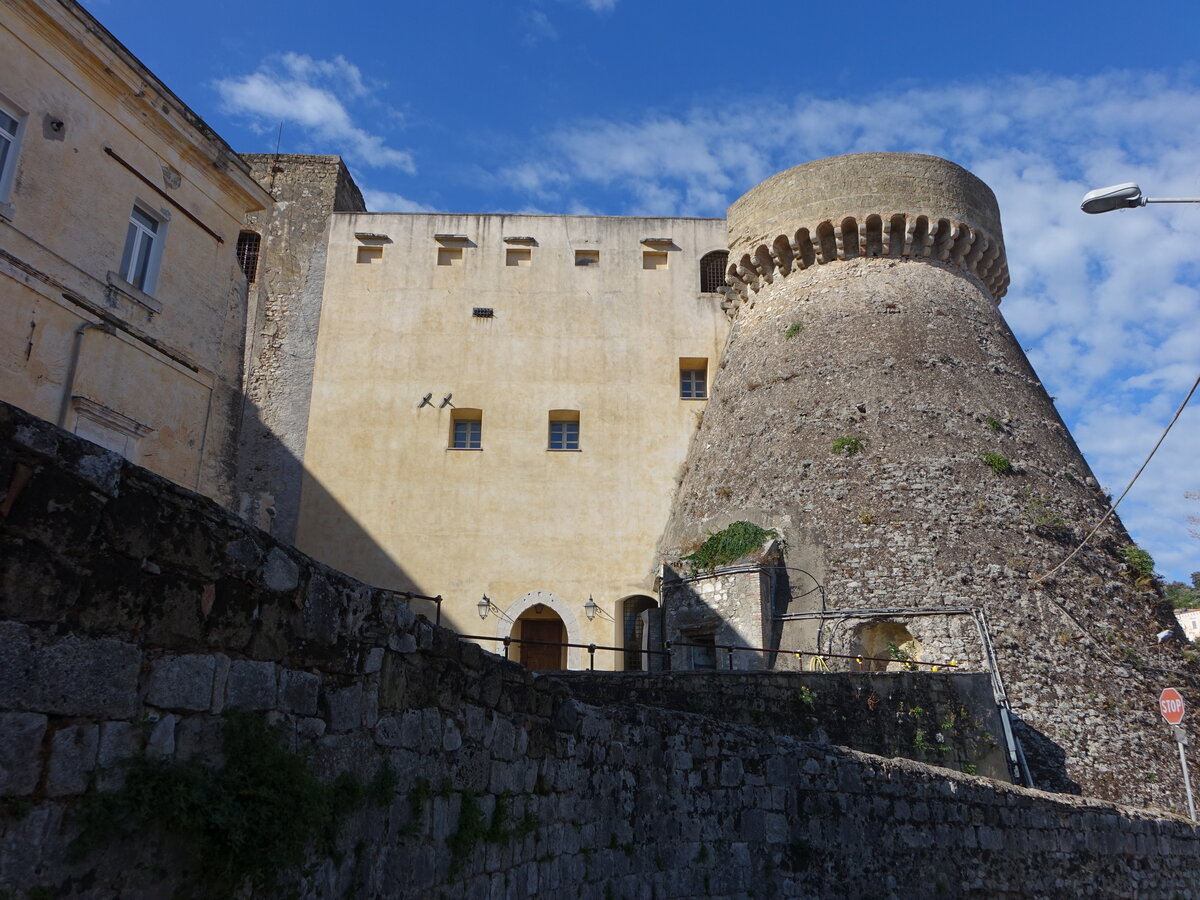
column 1170, row 703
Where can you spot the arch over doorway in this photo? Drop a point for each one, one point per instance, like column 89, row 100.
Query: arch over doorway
column 506, row 624
column 885, row 641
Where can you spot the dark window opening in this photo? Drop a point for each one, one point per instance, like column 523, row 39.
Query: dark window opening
column 712, row 272
column 247, row 254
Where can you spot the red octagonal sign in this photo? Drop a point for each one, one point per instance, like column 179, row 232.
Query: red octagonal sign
column 1170, row 703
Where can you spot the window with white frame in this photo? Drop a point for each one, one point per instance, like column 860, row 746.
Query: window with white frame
column 693, row 378
column 11, row 126
column 564, row 429
column 466, row 429
column 143, row 248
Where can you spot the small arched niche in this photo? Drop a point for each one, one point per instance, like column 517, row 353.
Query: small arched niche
column 884, row 646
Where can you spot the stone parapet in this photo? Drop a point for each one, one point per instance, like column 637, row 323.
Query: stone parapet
column 899, row 205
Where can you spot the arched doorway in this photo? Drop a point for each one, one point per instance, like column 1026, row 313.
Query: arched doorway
column 542, row 624
column 888, row 645
column 639, row 630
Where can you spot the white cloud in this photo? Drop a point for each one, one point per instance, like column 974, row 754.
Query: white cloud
column 386, row 201
column 313, row 94
column 1107, row 306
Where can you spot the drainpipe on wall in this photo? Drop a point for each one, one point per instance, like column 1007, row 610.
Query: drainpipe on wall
column 69, row 382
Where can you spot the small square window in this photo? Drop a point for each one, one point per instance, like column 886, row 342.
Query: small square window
column 654, row 259
column 143, row 249
column 450, row 256
column 368, row 255
column 466, row 429
column 693, row 378
column 564, row 429
column 587, row 257
column 518, row 256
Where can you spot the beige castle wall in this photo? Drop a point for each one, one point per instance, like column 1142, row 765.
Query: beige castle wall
column 385, row 500
column 166, row 362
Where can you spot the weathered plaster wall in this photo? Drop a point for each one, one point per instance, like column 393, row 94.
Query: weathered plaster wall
column 604, row 341
column 163, row 364
column 911, row 356
column 283, row 324
column 134, row 612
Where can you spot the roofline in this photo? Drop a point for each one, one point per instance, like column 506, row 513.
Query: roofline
column 540, row 215
column 189, row 115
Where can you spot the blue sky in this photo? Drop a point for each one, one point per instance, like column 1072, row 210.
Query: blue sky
column 676, row 108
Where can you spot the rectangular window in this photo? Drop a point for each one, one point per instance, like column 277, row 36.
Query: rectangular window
column 139, row 260
column 10, row 129
column 564, row 434
column 587, row 257
column 704, row 653
column 654, row 259
column 248, row 246
column 693, row 378
column 466, row 429
column 518, row 256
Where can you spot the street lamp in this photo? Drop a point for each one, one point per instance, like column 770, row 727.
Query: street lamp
column 1124, row 196
column 590, row 608
column 483, row 606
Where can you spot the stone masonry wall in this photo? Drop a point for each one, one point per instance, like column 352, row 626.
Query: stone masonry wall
column 945, row 720
column 284, row 320
column 133, row 613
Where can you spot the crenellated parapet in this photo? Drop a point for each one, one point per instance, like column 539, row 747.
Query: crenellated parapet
column 883, row 205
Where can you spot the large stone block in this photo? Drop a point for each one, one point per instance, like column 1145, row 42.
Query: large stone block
column 20, row 752
column 299, row 691
column 182, row 682
column 87, row 677
column 252, row 685
column 72, row 758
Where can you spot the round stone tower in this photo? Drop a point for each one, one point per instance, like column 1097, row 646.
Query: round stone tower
column 873, row 408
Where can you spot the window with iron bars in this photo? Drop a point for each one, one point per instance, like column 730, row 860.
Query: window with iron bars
column 712, row 272
column 248, row 244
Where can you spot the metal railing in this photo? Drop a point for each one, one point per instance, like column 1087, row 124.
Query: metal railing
column 437, row 601
column 730, row 649
column 591, row 648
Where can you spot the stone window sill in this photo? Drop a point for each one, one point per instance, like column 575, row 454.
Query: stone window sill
column 138, row 296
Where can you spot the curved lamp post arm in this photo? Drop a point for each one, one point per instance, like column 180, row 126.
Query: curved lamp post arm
column 1124, row 196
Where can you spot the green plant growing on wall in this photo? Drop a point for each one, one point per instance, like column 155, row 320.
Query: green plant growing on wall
column 849, row 445
column 792, row 330
column 1140, row 562
column 244, row 824
column 806, row 696
column 993, row 423
column 997, row 463
column 921, row 741
column 729, row 544
column 1046, row 520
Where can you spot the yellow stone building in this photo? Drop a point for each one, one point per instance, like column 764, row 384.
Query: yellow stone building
column 121, row 295
column 501, row 406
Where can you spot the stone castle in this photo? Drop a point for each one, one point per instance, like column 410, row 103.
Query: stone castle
column 523, row 427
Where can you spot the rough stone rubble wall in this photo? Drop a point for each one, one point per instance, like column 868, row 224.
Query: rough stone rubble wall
column 912, row 357
column 284, row 320
column 133, row 612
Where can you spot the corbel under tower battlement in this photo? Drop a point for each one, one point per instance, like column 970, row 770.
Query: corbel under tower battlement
column 898, row 205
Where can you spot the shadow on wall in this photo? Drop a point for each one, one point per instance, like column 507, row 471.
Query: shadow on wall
column 265, row 459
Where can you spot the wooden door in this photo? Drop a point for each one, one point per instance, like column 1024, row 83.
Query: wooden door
column 539, row 657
